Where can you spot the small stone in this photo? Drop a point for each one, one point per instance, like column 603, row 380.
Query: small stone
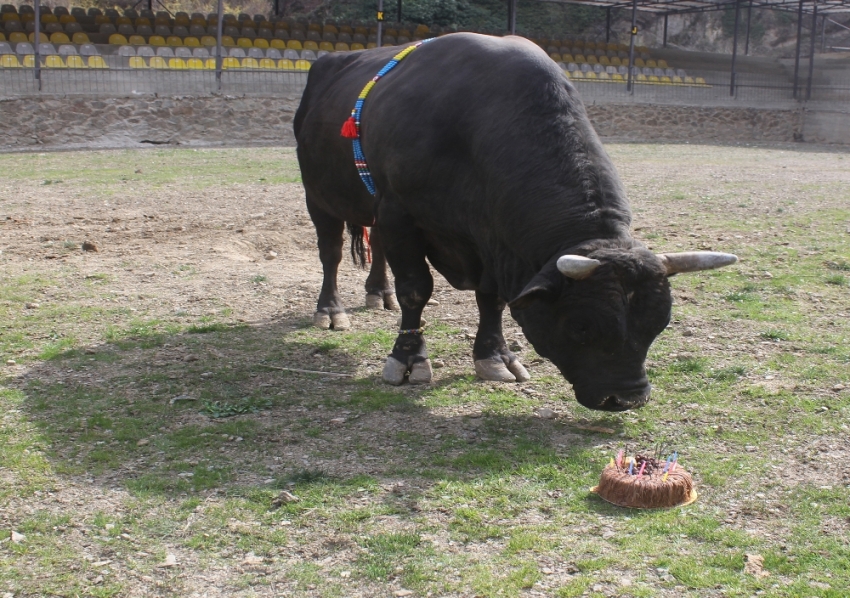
column 516, row 346
column 403, row 593
column 90, row 246
column 271, row 255
column 17, row 538
column 10, row 362
column 345, row 574
column 190, row 358
column 687, row 332
column 546, row 571
column 284, row 498
column 170, row 561
column 32, row 305
column 337, row 421
column 838, row 387
column 546, row 413
column 252, row 559
column 143, row 442
column 438, row 363
column 432, row 302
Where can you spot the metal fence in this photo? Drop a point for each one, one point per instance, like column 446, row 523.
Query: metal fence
column 710, row 88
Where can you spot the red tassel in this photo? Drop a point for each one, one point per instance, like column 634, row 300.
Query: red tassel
column 368, row 245
column 349, row 129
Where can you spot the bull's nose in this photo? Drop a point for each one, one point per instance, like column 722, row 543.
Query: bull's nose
column 623, row 402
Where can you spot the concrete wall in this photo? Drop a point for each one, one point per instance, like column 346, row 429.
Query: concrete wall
column 55, row 122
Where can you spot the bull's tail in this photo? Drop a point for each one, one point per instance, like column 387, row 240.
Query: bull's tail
column 359, row 244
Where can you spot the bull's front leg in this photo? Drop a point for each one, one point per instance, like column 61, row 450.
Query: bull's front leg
column 405, row 252
column 493, row 360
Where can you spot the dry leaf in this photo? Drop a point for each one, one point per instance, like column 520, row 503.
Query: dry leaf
column 18, row 538
column 170, row 561
column 599, row 429
column 284, row 498
column 252, row 559
column 754, row 565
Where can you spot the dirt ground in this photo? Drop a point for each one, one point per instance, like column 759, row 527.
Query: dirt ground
column 129, row 258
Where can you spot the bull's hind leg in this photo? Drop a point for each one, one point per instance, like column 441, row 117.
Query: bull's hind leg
column 405, row 251
column 493, row 361
column 379, row 292
column 329, row 310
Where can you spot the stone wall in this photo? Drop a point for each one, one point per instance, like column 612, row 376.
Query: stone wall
column 79, row 122
column 54, row 122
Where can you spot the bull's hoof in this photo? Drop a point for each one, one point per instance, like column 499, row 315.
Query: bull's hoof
column 340, row 321
column 394, row 371
column 422, row 322
column 391, row 303
column 374, row 301
column 321, row 320
column 495, row 370
column 420, row 373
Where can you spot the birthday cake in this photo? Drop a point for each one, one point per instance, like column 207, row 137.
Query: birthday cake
column 643, row 482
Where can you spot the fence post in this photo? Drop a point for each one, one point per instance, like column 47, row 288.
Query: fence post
column 812, row 49
column 797, row 53
column 607, row 24
column 380, row 18
column 513, row 16
column 749, row 19
column 36, row 40
column 219, row 28
column 665, row 29
column 735, row 48
column 629, row 85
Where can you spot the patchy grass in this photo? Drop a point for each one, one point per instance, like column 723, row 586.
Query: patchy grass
column 136, row 426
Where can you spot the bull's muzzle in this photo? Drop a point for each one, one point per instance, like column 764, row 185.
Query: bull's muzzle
column 626, row 401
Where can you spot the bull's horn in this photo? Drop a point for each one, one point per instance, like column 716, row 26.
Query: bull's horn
column 577, row 266
column 694, row 261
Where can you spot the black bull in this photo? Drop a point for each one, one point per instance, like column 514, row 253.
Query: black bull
column 486, row 166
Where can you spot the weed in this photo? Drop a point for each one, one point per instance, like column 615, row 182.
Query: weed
column 221, row 409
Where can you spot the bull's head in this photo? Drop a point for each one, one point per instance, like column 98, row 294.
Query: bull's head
column 595, row 317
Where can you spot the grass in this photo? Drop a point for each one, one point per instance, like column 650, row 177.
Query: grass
column 116, row 449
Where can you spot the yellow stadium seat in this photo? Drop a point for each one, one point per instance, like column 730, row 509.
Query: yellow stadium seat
column 116, row 39
column 590, row 75
column 29, row 61
column 137, row 62
column 102, row 20
column 227, row 41
column 158, row 62
column 75, row 62
column 2, row 37
column 326, row 46
column 567, row 58
column 662, row 64
column 689, row 81
column 81, row 38
column 209, row 64
column 182, row 21
column 666, row 81
column 592, row 59
column 330, row 29
column 617, row 62
column 244, row 42
column 42, row 38
column 653, row 79
column 700, row 81
column 174, row 41
column 555, row 56
column 577, row 75
column 639, row 62
column 677, row 81
column 195, row 64
column 208, row 41
column 278, row 43
column 651, row 64
column 198, row 21
column 311, row 45
column 143, row 21
column 27, row 17
column 230, row 63
column 250, row 63
column 136, row 40
column 603, row 60
column 641, row 79
column 302, row 65
column 371, row 45
column 176, row 63
column 9, row 61
column 267, row 63
column 97, row 62
column 123, row 21
column 358, row 46
column 603, row 76
column 59, row 38
column 17, row 37
column 346, row 29
column 162, row 21
column 342, row 47
column 261, row 43
column 191, row 42
column 285, row 64
column 11, row 16
column 617, row 77
column 156, row 40
column 314, row 27
column 580, row 58
column 293, row 44
column 49, row 18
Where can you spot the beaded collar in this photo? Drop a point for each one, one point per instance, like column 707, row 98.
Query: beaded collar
column 351, row 128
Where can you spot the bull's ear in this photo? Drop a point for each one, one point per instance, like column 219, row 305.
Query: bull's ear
column 545, row 286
